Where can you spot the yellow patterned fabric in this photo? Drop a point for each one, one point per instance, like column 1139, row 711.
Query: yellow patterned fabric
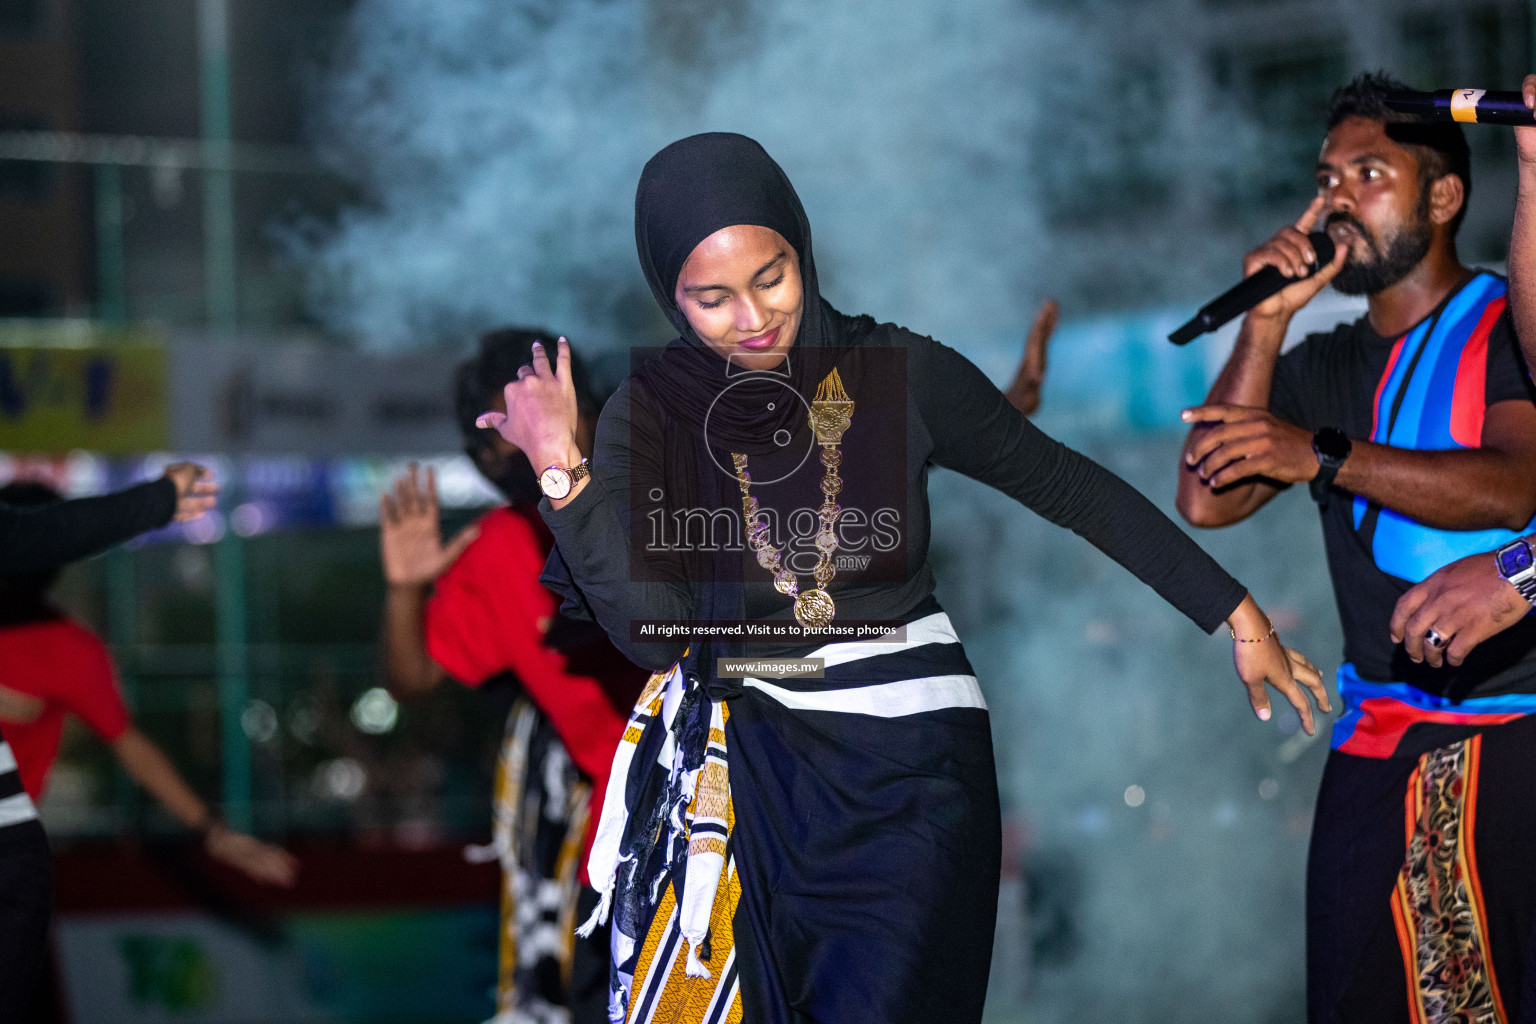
column 537, row 795
column 1438, row 903
column 663, row 990
column 674, row 952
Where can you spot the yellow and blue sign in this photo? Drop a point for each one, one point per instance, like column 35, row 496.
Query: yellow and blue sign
column 107, row 395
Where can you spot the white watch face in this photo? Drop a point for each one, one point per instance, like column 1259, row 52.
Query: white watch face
column 555, row 482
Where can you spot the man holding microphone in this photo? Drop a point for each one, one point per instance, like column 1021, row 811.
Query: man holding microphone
column 1475, row 598
column 1415, row 430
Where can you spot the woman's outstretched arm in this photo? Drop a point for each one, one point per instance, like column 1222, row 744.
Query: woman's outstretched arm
column 977, row 432
column 46, row 536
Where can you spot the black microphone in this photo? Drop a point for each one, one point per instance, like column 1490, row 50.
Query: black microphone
column 1249, row 292
column 1469, row 106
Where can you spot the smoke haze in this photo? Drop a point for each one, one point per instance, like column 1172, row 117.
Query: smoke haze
column 498, row 145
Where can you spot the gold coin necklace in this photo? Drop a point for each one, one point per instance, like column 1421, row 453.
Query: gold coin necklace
column 831, row 414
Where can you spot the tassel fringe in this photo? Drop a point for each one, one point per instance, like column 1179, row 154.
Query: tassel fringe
column 481, row 854
column 695, row 967
column 599, row 915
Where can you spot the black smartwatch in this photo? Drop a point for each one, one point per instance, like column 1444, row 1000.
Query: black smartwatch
column 1332, row 447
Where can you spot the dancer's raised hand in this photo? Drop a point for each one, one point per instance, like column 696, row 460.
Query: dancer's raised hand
column 541, row 409
column 1024, row 393
column 196, row 490
column 410, row 539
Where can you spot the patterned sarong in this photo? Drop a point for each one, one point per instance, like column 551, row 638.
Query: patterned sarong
column 1437, row 905
column 665, row 853
column 662, row 951
column 1421, row 893
column 539, row 821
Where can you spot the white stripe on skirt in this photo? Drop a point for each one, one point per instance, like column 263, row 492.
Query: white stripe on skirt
column 883, row 700
column 930, row 629
column 16, row 809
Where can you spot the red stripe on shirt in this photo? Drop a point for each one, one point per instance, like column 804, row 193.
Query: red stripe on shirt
column 1469, row 398
column 1381, row 385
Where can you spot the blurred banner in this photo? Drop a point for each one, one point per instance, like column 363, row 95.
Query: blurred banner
column 413, row 966
column 68, row 386
column 106, row 391
column 301, row 400
column 117, row 393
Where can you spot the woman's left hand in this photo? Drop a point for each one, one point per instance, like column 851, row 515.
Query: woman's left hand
column 1267, row 661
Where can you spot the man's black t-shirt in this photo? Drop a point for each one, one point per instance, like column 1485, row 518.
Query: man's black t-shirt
column 1331, row 380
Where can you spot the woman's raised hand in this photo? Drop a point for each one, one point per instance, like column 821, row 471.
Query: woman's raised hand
column 1261, row 660
column 541, row 410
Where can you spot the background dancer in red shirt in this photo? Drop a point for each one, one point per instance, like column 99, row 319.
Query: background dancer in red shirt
column 42, row 538
column 473, row 610
column 60, row 668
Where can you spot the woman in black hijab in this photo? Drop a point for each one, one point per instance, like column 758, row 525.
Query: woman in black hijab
column 780, row 849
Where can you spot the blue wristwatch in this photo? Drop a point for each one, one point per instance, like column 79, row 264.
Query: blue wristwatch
column 1517, row 564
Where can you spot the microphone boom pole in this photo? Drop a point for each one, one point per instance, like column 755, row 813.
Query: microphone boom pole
column 1469, row 106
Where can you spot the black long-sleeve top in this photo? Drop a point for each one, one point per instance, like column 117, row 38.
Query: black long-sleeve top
column 50, row 535
column 918, row 403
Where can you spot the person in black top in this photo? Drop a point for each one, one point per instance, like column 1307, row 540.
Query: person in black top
column 51, row 535
column 34, row 539
column 817, row 848
column 1415, row 430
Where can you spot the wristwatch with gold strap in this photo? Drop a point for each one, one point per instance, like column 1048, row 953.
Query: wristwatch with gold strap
column 556, row 481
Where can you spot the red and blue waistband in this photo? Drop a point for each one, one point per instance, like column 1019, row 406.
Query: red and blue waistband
column 1378, row 716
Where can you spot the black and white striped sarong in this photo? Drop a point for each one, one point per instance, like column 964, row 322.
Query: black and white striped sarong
column 16, row 807
column 26, row 890
column 864, row 847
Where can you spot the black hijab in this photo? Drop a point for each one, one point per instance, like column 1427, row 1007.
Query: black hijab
column 688, row 191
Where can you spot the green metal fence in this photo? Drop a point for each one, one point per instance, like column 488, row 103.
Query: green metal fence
column 252, row 661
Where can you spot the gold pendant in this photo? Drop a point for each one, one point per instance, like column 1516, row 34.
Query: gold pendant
column 814, row 609
column 831, row 411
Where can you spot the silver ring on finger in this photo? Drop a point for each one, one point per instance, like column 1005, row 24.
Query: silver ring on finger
column 1434, row 639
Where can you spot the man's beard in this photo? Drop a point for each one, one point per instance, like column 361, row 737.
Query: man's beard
column 1406, row 250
